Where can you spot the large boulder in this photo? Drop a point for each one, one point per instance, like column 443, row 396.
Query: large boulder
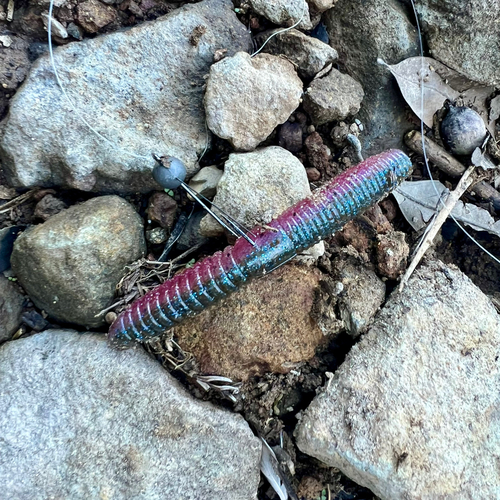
column 413, row 412
column 81, row 420
column 141, row 89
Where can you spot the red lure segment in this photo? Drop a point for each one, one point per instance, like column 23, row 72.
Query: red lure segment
column 296, row 229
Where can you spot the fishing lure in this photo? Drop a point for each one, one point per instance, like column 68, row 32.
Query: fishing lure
column 296, row 229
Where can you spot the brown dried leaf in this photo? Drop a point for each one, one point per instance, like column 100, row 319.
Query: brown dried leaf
column 408, row 75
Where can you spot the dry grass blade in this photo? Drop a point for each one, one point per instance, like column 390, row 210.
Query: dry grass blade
column 6, row 207
column 436, row 224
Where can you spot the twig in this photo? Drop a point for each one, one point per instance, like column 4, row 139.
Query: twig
column 436, row 224
column 17, row 201
column 449, row 165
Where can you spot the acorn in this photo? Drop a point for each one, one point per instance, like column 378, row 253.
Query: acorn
column 463, row 130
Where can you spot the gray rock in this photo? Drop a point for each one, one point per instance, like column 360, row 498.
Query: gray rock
column 246, row 98
column 284, row 12
column 362, row 31
column 80, row 420
column 464, row 35
column 309, row 54
column 258, row 186
column 362, row 294
column 413, row 411
column 11, row 302
column 71, row 264
column 141, row 88
column 333, row 97
column 206, row 180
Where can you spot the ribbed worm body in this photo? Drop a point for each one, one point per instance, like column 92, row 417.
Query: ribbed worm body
column 296, row 229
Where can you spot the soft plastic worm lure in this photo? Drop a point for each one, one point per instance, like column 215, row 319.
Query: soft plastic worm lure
column 298, row 228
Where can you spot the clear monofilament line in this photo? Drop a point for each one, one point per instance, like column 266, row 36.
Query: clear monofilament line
column 422, row 131
column 231, row 226
column 72, row 104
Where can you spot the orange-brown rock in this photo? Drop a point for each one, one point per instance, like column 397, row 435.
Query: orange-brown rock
column 264, row 327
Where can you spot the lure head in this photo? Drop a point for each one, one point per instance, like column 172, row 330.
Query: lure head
column 169, row 172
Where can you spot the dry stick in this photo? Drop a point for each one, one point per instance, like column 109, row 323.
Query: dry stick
column 436, row 224
column 449, row 164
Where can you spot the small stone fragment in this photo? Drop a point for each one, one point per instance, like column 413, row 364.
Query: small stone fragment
column 322, row 5
column 246, row 98
column 92, row 15
column 413, row 411
column 392, row 254
column 333, row 97
column 318, row 154
column 339, row 134
column 157, row 235
column 309, row 54
column 48, row 206
column 71, row 264
column 56, row 28
column 290, row 136
column 75, row 31
column 11, row 306
column 313, row 174
column 284, row 12
column 34, row 320
column 162, row 208
column 254, row 331
column 116, row 423
column 206, row 180
column 363, row 292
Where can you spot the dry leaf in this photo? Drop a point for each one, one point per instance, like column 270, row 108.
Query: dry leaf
column 479, row 159
column 419, row 201
column 270, row 468
column 436, row 91
column 495, row 108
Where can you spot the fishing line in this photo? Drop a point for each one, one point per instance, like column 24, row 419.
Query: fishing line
column 422, row 131
column 283, row 30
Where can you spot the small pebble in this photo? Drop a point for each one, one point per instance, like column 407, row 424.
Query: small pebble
column 290, row 137
column 48, row 206
column 157, row 236
column 34, row 320
column 206, row 180
column 313, row 174
column 110, row 317
column 162, row 209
